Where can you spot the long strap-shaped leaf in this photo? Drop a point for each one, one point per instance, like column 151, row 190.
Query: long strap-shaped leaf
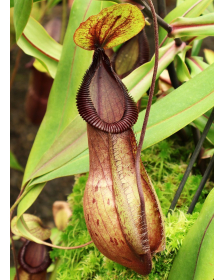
column 22, row 11
column 62, row 101
column 35, row 41
column 195, row 259
column 73, row 63
column 199, row 26
column 189, row 9
column 12, row 2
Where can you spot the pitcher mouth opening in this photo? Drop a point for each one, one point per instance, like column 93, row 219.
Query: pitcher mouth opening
column 85, row 104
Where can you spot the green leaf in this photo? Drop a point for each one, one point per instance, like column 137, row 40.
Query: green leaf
column 197, row 97
column 38, row 36
column 169, row 115
column 39, row 66
column 61, row 110
column 209, row 56
column 196, row 47
column 209, row 9
column 188, row 9
column 30, row 195
column 12, row 2
column 196, row 65
column 14, row 163
column 205, row 261
column 35, row 41
column 12, row 269
column 22, row 10
column 195, row 259
column 71, row 142
column 200, row 123
column 199, row 26
column 179, row 2
column 77, row 165
column 114, row 1
column 182, row 71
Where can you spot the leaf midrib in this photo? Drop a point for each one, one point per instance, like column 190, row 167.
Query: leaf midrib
column 202, row 239
column 177, row 113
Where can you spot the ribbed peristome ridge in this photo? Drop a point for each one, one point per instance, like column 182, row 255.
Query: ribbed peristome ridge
column 103, row 100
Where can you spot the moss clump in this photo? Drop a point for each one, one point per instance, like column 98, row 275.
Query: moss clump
column 166, row 163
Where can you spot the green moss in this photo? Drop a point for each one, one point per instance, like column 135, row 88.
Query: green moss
column 166, row 163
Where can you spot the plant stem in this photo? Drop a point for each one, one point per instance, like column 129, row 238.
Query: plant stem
column 192, row 161
column 161, row 5
column 171, row 69
column 138, row 153
column 201, row 186
column 173, row 75
column 196, row 137
column 148, row 11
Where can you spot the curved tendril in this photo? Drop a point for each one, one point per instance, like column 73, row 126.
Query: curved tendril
column 137, row 161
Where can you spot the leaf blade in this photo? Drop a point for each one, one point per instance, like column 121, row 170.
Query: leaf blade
column 12, row 2
column 200, row 123
column 187, row 9
column 197, row 97
column 186, row 259
column 193, row 27
column 22, row 11
column 35, row 41
column 205, row 262
column 61, row 108
column 14, row 163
